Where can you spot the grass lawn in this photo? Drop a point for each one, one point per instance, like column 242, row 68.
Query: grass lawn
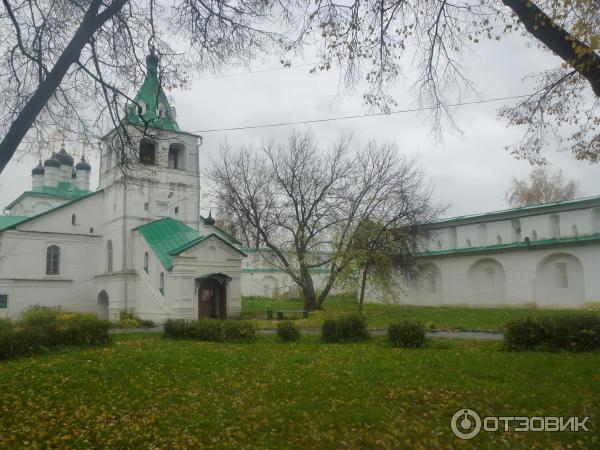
column 380, row 315
column 144, row 391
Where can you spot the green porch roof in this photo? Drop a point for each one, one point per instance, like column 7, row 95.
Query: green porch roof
column 168, row 237
column 63, row 190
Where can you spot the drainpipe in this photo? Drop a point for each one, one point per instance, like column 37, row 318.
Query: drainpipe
column 124, row 268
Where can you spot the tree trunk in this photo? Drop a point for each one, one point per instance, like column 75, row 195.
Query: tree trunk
column 91, row 22
column 308, row 291
column 363, row 284
column 572, row 51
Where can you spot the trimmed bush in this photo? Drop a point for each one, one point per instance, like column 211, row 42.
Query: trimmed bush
column 527, row 333
column 210, row 330
column 238, row 330
column 45, row 328
column 572, row 332
column 345, row 329
column 147, row 323
column 127, row 323
column 288, row 331
column 39, row 315
column 406, row 333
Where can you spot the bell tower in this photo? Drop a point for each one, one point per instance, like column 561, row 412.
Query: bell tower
column 163, row 176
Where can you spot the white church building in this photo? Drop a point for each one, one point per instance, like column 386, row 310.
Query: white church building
column 136, row 243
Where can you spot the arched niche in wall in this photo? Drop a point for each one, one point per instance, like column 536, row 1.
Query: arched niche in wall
column 268, row 286
column 429, row 285
column 559, row 281
column 487, row 283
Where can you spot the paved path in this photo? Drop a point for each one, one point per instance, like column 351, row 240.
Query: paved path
column 481, row 335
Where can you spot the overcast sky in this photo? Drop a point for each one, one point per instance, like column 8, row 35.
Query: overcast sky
column 470, row 171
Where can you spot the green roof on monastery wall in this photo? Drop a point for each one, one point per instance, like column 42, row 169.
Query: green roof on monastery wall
column 525, row 245
column 168, row 237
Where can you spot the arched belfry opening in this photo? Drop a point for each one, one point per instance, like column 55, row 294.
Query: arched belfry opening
column 147, row 152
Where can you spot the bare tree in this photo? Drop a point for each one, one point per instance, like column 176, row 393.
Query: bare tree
column 306, row 203
column 543, row 187
column 375, row 39
column 70, row 66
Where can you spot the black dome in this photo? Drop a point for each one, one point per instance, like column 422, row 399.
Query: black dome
column 39, row 170
column 83, row 165
column 209, row 220
column 65, row 158
column 52, row 161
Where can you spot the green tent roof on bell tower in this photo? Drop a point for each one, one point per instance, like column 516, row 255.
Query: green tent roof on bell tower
column 152, row 95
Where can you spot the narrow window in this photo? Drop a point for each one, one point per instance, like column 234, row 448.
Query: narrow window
column 109, row 256
column 554, row 225
column 177, row 210
column 3, row 301
column 516, row 230
column 161, row 285
column 146, row 258
column 146, row 206
column 482, row 235
column 499, row 240
column 561, row 275
column 469, row 242
column 575, row 231
column 53, row 260
column 534, row 235
column 73, row 219
column 452, row 238
column 439, row 245
column 147, row 153
column 91, row 230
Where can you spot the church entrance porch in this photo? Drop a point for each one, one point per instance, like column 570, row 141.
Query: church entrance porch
column 212, row 295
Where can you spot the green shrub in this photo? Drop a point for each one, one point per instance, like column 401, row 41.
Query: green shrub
column 406, row 333
column 576, row 332
column 38, row 332
column 206, row 330
column 210, row 330
column 345, row 329
column 127, row 315
column 527, row 333
column 39, row 315
column 573, row 332
column 6, row 325
column 238, row 330
column 288, row 331
column 147, row 323
column 127, row 323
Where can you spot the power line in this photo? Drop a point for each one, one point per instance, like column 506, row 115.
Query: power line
column 360, row 116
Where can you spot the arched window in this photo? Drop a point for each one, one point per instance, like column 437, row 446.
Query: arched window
column 575, row 231
column 109, row 256
column 73, row 219
column 161, row 111
column 147, row 152
column 141, row 108
column 516, row 230
column 469, row 242
column 534, row 235
column 146, row 259
column 53, row 260
column 439, row 244
column 161, row 283
column 498, row 239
